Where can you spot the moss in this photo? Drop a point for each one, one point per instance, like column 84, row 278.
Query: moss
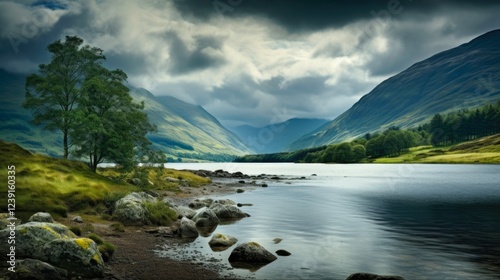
column 107, row 250
column 160, row 214
column 84, row 243
column 53, row 232
column 97, row 239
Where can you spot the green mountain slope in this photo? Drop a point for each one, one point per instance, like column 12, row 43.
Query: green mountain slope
column 186, row 130
column 192, row 134
column 275, row 137
column 463, row 77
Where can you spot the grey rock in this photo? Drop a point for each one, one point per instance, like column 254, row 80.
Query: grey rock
column 130, row 209
column 227, row 212
column 370, row 276
column 206, row 218
column 183, row 211
column 225, row 201
column 38, row 270
column 56, row 245
column 282, row 252
column 172, row 180
column 42, row 217
column 188, row 228
column 200, row 203
column 251, row 252
column 222, row 241
column 78, row 219
column 135, row 181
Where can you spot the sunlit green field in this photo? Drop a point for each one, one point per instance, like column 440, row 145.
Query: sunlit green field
column 482, row 150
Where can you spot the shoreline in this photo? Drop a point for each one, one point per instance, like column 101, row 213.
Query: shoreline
column 135, row 256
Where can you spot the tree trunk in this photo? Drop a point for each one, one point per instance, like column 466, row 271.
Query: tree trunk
column 65, row 143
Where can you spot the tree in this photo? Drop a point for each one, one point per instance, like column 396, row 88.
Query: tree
column 343, row 153
column 375, row 147
column 358, row 152
column 437, row 130
column 108, row 125
column 53, row 93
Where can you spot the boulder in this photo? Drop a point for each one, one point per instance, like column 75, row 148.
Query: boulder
column 221, row 242
column 4, row 222
column 200, row 203
column 184, row 211
column 206, row 218
column 172, row 180
column 130, row 209
column 227, row 212
column 41, row 217
column 188, row 228
column 135, row 181
column 370, row 276
column 56, row 245
column 78, row 219
column 251, row 252
column 38, row 270
column 282, row 253
column 224, row 202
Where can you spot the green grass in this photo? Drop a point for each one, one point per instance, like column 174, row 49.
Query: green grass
column 481, row 150
column 53, row 185
column 59, row 186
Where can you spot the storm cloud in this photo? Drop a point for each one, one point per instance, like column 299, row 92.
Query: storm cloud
column 248, row 61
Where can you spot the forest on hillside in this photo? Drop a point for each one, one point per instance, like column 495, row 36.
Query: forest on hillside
column 442, row 130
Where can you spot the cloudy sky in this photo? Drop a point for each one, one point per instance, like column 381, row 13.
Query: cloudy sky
column 248, row 61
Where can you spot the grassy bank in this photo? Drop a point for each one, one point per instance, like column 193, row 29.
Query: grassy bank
column 60, row 186
column 482, row 150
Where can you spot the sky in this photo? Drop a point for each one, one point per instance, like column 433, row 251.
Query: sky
column 253, row 62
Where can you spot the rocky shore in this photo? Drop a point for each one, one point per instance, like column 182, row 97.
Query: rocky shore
column 196, row 211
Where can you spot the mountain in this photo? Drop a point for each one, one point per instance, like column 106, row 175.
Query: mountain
column 275, row 137
column 184, row 130
column 463, row 77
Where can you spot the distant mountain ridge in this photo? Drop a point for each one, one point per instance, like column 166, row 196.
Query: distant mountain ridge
column 184, row 130
column 463, row 77
column 275, row 137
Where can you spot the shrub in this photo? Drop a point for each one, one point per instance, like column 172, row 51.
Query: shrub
column 117, row 227
column 76, row 230
column 107, row 250
column 160, row 214
column 97, row 239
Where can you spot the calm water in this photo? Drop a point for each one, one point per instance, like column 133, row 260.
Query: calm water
column 416, row 221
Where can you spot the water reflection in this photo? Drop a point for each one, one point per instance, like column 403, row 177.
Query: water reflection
column 465, row 233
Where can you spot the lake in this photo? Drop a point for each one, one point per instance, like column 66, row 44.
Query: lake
column 412, row 220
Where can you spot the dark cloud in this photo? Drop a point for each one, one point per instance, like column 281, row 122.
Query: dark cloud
column 204, row 54
column 232, row 56
column 300, row 15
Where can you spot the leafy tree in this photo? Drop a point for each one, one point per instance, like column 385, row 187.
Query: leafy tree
column 343, row 153
column 392, row 144
column 375, row 147
column 108, row 125
column 437, row 130
column 53, row 93
column 358, row 153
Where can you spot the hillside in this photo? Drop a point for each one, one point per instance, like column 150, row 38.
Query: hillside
column 60, row 186
column 481, row 150
column 184, row 130
column 463, row 77
column 275, row 137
